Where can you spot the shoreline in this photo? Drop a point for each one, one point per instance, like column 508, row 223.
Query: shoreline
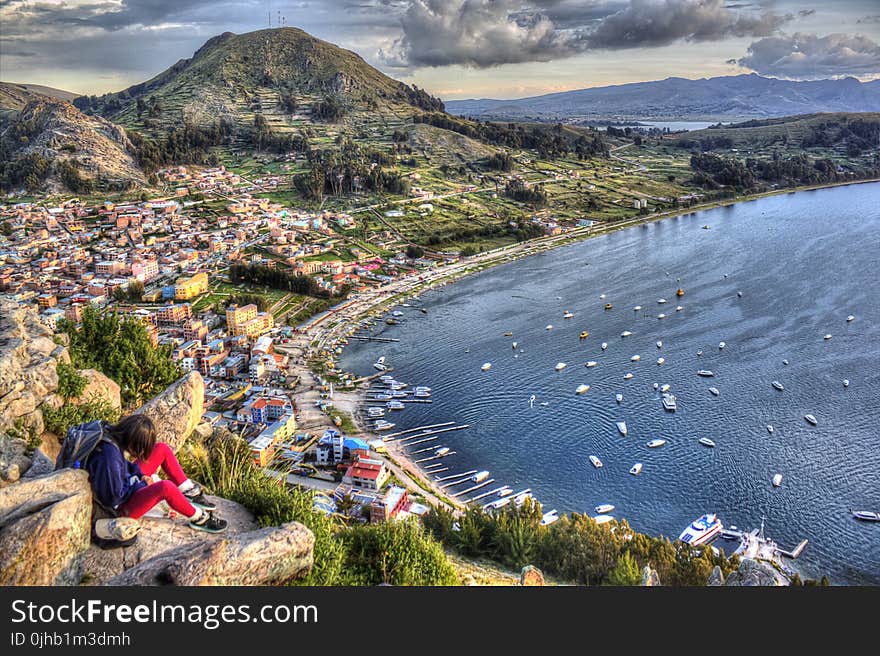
column 350, row 313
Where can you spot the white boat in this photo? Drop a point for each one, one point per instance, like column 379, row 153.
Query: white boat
column 637, row 308
column 811, row 419
column 582, row 389
column 394, row 405
column 846, row 382
column 591, row 363
column 665, row 387
column 706, row 373
column 705, row 441
column 785, row 362
column 739, row 294
column 399, row 394
column 486, row 366
column 679, row 308
column 382, row 397
column 382, row 425
column 442, row 451
column 375, row 413
column 397, row 313
column 777, row 480
column 636, row 469
column 603, row 509
column 661, row 316
column 515, row 344
column 549, row 517
column 549, row 326
column 661, row 360
column 721, row 345
column 668, row 402
column 627, row 376
column 828, row 336
column 505, row 491
column 700, row 352
column 604, row 345
column 701, row 530
column 567, row 315
column 777, row 385
column 653, row 444
column 625, row 333
column 560, row 366
column 635, row 358
column 603, row 519
column 850, row 318
column 866, row 515
column 379, row 365
column 659, row 344
column 714, row 391
column 480, row 476
column 602, row 296
column 621, row 426
column 661, row 300
column 769, row 428
column 596, row 462
column 520, row 499
column 618, row 398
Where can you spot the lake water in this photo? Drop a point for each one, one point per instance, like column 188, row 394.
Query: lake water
column 674, row 126
column 803, row 262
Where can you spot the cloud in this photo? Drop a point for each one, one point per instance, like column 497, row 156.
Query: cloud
column 484, row 33
column 808, row 56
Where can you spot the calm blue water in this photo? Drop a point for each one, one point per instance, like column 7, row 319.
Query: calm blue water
column 674, row 126
column 803, row 263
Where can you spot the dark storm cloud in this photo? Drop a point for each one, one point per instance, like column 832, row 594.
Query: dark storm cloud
column 484, row 33
column 808, row 56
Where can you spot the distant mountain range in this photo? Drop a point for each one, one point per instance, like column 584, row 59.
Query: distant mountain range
column 675, row 98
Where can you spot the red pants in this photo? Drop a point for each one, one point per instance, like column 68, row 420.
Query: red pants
column 144, row 499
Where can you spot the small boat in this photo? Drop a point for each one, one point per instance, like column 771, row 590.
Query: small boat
column 379, row 364
column 596, row 462
column 618, row 398
column 549, row 517
column 627, row 376
column 661, row 316
column 785, row 362
column 603, row 519
column 721, row 345
column 661, row 360
column 604, row 345
column 661, row 301
column 602, row 296
column 659, row 344
column 397, row 313
column 706, row 227
column 391, row 321
column 636, row 469
column 637, row 308
column 846, row 382
column 584, row 334
column 591, row 363
column 567, row 315
column 560, row 366
column 653, row 444
column 383, row 425
column 668, row 402
column 656, row 386
column 603, row 509
column 549, row 326
column 714, row 391
column 635, row 358
column 705, row 441
column 866, row 515
column 394, row 405
column 706, row 373
column 625, row 333
column 582, row 389
column 608, row 306
column 375, row 413
column 827, row 337
column 701, row 530
column 486, row 366
column 777, row 385
column 811, row 419
column 505, row 491
column 739, row 294
column 382, row 397
column 508, row 334
column 480, row 476
column 777, row 480
column 621, row 426
column 442, row 451
column 700, row 352
column 679, row 292
column 664, row 388
column 850, row 318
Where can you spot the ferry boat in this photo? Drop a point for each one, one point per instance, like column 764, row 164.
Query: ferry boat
column 591, row 363
column 636, row 469
column 549, row 517
column 811, row 419
column 486, row 366
column 653, row 444
column 701, row 530
column 480, row 476
column 777, row 480
column 627, row 376
column 866, row 515
column 582, row 389
column 621, row 426
column 560, row 366
column 596, row 462
column 603, row 509
column 669, row 402
column 705, row 373
column 705, row 441
column 777, row 385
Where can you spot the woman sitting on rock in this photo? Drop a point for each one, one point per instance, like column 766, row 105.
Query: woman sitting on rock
column 128, row 488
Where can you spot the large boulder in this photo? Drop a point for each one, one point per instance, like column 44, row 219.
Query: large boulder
column 99, row 388
column 755, row 573
column 177, row 410
column 265, row 556
column 45, row 528
column 28, row 357
column 531, row 576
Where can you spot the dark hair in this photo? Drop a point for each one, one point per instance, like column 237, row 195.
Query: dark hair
column 135, row 434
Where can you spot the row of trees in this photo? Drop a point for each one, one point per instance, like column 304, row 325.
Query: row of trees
column 279, row 279
column 517, row 190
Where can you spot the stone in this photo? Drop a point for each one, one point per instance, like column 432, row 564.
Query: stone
column 531, row 575
column 716, row 578
column 45, row 528
column 261, row 557
column 204, row 430
column 98, row 388
column 158, row 535
column 41, row 465
column 650, row 578
column 14, row 461
column 755, row 573
column 177, row 410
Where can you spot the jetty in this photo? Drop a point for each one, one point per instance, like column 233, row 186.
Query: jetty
column 428, row 459
column 384, row 340
column 425, row 433
column 462, row 476
column 486, row 494
column 412, row 430
column 471, row 489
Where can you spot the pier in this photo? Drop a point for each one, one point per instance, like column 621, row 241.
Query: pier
column 461, row 476
column 384, row 340
column 412, row 430
column 429, row 458
column 432, row 432
column 475, row 487
column 486, row 494
column 794, row 553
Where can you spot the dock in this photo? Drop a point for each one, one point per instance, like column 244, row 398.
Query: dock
column 412, row 430
column 363, row 338
column 451, row 476
column 486, row 494
column 429, row 458
column 794, row 553
column 475, row 487
column 432, row 432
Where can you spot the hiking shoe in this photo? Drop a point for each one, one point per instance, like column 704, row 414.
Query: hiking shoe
column 210, row 524
column 196, row 497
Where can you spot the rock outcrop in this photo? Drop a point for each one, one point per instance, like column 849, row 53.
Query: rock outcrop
column 28, row 357
column 177, row 410
column 14, row 461
column 717, row 577
column 755, row 573
column 531, row 575
column 98, row 388
column 265, row 556
column 45, row 527
column 650, row 578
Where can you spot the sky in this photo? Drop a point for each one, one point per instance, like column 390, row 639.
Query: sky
column 455, row 48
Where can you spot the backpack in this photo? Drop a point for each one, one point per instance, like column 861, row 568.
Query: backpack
column 80, row 442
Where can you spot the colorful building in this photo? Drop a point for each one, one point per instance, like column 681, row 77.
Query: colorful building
column 187, row 288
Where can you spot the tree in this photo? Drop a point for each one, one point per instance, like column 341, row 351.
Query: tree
column 414, row 252
column 5, row 228
column 626, row 572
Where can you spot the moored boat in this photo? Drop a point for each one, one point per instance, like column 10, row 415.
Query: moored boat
column 608, row 306
column 705, row 373
column 480, row 476
column 591, row 363
column 701, row 530
column 653, row 444
column 486, row 366
column 636, row 469
column 627, row 376
column 777, row 385
column 584, row 334
column 549, row 517
column 618, row 397
column 777, row 480
column 661, row 360
column 721, row 345
column 567, row 315
column 811, row 419
column 596, row 462
column 714, row 390
column 705, row 441
column 668, row 402
column 621, row 426
column 769, row 428
column 582, row 389
column 635, row 358
column 866, row 515
column 625, row 333
column 442, row 451
column 850, row 318
column 603, row 519
column 659, row 344
column 560, row 366
column 603, row 509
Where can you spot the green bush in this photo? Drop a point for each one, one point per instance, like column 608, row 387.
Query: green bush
column 70, row 383
column 58, row 420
